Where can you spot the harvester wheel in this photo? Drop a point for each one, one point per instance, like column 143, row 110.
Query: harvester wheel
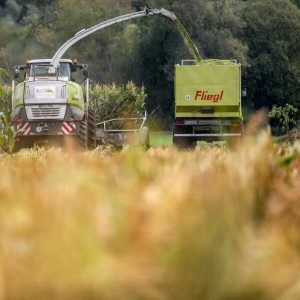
column 82, row 134
column 91, row 132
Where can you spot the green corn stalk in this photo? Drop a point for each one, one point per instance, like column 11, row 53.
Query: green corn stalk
column 7, row 133
column 112, row 101
column 3, row 73
column 5, row 98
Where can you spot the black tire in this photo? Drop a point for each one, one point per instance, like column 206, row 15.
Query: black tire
column 147, row 142
column 233, row 141
column 183, row 142
column 82, row 134
column 87, row 131
column 19, row 145
column 91, row 132
column 22, row 143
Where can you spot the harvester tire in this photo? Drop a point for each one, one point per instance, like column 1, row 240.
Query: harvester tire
column 82, row 134
column 91, row 130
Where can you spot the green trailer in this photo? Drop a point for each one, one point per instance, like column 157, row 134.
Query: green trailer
column 207, row 102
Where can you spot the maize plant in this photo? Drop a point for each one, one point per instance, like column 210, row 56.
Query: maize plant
column 112, row 101
column 7, row 134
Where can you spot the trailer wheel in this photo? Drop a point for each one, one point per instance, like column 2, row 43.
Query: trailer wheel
column 234, row 141
column 183, row 142
column 147, row 143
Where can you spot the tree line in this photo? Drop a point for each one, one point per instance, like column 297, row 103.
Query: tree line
column 263, row 35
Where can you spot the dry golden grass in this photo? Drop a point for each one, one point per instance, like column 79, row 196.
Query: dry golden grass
column 206, row 224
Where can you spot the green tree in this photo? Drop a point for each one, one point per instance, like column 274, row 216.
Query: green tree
column 296, row 2
column 285, row 116
column 272, row 35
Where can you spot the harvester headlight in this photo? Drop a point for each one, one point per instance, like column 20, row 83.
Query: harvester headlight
column 75, row 97
column 39, row 129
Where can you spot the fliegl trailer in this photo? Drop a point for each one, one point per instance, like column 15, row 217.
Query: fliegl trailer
column 207, row 102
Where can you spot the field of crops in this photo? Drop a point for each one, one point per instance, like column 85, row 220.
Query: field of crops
column 212, row 223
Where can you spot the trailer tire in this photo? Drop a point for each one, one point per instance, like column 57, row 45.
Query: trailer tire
column 234, row 141
column 147, row 144
column 183, row 142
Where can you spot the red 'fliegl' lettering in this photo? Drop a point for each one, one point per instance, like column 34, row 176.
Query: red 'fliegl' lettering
column 205, row 96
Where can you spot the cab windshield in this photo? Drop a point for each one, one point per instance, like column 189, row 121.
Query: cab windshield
column 64, row 69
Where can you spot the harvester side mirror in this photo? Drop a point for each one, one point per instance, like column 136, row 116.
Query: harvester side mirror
column 16, row 73
column 85, row 72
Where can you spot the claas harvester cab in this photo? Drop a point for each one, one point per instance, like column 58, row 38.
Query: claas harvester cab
column 50, row 104
column 207, row 102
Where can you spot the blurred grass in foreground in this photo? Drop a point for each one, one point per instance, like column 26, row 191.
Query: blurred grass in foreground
column 161, row 224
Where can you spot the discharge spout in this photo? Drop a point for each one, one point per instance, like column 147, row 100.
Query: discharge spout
column 168, row 14
column 83, row 33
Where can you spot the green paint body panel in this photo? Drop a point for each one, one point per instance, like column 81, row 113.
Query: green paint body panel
column 75, row 95
column 208, row 91
column 19, row 95
column 74, row 92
